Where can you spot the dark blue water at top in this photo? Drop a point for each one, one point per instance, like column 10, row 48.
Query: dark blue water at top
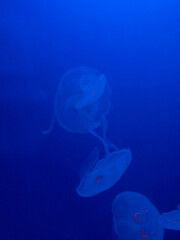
column 136, row 45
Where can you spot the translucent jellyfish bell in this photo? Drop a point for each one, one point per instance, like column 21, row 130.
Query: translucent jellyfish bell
column 105, row 174
column 107, row 171
column 171, row 219
column 135, row 217
column 82, row 97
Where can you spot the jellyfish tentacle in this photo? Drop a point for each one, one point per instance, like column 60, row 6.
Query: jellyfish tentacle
column 105, row 127
column 102, row 140
column 90, row 162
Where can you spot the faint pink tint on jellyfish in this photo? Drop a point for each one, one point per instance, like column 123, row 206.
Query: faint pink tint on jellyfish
column 136, row 215
column 135, row 218
column 171, row 219
column 99, row 178
column 143, row 233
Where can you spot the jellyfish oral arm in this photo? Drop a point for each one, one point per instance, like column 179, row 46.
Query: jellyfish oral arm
column 102, row 140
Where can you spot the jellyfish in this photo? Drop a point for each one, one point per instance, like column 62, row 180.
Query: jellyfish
column 105, row 172
column 170, row 220
column 135, row 217
column 83, row 95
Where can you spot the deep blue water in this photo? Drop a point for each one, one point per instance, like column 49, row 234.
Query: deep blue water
column 136, row 45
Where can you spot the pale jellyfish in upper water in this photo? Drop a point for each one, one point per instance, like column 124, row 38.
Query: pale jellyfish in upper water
column 171, row 219
column 83, row 96
column 105, row 172
column 135, row 218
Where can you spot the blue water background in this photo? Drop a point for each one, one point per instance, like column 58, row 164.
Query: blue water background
column 136, row 45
